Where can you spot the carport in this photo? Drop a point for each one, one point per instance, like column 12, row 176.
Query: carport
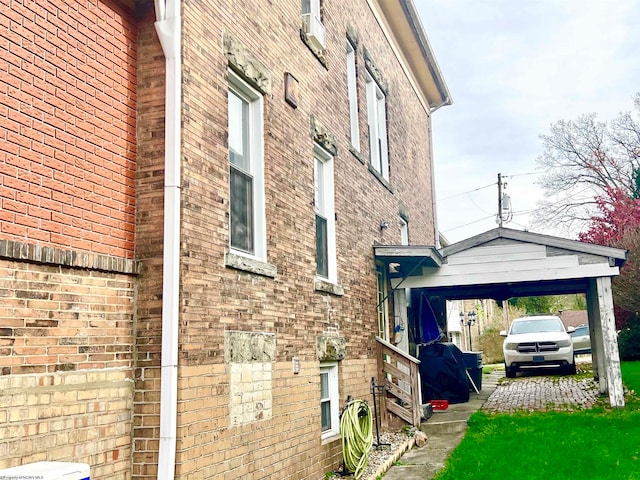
column 504, row 263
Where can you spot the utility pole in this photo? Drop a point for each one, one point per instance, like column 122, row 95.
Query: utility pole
column 500, row 200
column 505, row 212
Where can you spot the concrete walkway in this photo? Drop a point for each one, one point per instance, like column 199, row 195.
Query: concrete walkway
column 444, row 431
column 498, row 395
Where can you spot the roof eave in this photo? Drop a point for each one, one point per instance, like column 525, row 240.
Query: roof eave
column 616, row 256
column 409, row 259
column 402, row 17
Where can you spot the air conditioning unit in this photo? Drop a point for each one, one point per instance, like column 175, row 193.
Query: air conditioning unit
column 314, row 29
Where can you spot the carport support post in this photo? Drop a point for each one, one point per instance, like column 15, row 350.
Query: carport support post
column 606, row 339
column 595, row 333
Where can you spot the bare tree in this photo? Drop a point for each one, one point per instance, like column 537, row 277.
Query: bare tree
column 584, row 159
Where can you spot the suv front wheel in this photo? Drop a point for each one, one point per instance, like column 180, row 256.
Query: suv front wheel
column 570, row 369
column 510, row 371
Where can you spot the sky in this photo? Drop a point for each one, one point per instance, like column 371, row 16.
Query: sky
column 513, row 68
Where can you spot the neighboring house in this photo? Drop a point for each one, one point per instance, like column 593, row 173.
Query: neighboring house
column 468, row 319
column 190, row 198
column 574, row 318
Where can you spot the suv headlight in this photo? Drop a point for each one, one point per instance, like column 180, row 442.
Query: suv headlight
column 511, row 346
column 564, row 343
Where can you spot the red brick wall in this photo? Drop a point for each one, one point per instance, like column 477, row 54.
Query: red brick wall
column 62, row 320
column 67, row 124
column 67, row 207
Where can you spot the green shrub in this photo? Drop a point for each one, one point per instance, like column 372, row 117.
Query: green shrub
column 629, row 341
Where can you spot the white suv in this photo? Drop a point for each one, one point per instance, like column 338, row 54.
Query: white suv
column 539, row 341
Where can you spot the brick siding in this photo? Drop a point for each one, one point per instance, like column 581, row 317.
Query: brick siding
column 66, row 354
column 67, row 210
column 57, row 319
column 149, row 237
column 67, row 136
column 213, row 298
column 82, row 159
column 82, row 416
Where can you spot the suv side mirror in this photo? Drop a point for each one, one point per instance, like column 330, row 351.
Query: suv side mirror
column 503, row 333
column 571, row 329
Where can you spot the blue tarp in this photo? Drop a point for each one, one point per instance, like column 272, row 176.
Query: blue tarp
column 427, row 329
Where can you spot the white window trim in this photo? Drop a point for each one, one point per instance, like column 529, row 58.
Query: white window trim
column 404, row 232
column 404, row 240
column 377, row 120
column 314, row 8
column 256, row 148
column 329, row 194
column 331, row 369
column 382, row 304
column 353, row 96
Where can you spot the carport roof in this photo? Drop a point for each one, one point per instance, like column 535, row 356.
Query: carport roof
column 500, row 264
column 617, row 255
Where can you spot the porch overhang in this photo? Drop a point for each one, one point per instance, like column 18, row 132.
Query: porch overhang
column 407, row 260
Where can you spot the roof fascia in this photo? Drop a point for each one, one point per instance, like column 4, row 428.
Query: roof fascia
column 400, row 17
column 618, row 255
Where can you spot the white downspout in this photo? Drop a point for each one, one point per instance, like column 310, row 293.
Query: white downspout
column 168, row 27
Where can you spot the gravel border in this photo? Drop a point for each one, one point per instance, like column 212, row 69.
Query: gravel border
column 381, row 458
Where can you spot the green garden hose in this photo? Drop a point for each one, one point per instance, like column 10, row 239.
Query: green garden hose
column 356, row 428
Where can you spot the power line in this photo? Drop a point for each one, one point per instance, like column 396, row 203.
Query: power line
column 467, row 192
column 523, row 212
column 489, row 185
column 521, row 174
column 476, row 205
column 512, row 213
column 467, row 224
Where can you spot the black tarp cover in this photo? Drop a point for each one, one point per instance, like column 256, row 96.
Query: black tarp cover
column 443, row 374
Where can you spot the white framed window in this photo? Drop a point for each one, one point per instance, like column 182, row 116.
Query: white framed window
column 353, row 95
column 247, row 221
column 404, row 232
column 312, row 21
column 383, row 317
column 329, row 399
column 377, row 120
column 325, row 215
column 311, row 7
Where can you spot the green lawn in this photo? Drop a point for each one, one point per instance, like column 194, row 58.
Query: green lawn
column 598, row 444
column 631, row 375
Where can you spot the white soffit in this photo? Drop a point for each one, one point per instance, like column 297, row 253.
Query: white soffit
column 508, row 263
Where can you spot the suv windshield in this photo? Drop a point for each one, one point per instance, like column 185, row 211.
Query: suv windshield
column 531, row 326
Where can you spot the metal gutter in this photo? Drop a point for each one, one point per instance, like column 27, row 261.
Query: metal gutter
column 413, row 19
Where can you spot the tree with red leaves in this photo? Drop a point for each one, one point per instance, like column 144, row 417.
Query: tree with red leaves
column 618, row 225
column 619, row 216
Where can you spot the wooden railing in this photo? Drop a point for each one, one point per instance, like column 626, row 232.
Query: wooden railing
column 399, row 372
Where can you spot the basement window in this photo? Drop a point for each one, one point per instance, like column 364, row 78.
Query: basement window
column 329, row 399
